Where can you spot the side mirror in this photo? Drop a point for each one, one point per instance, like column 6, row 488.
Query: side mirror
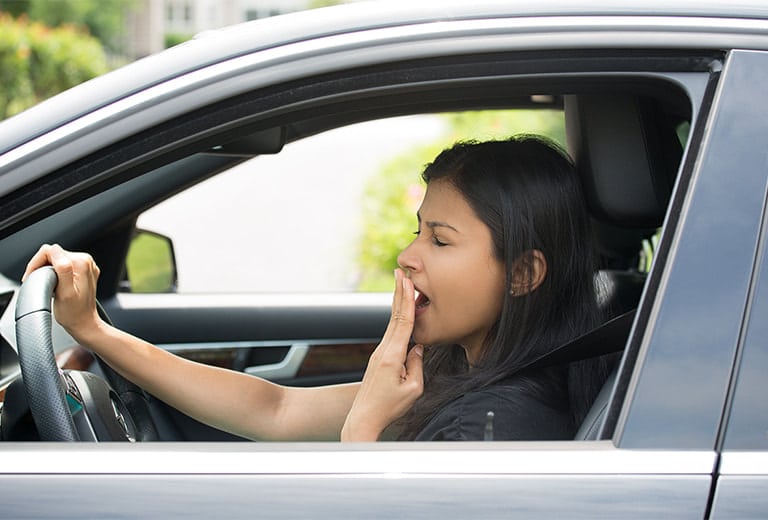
column 150, row 266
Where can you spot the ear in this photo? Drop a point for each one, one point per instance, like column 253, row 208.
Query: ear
column 529, row 272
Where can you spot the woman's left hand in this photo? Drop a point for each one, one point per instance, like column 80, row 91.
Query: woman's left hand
column 394, row 378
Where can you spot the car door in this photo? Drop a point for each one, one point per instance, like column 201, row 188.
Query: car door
column 659, row 453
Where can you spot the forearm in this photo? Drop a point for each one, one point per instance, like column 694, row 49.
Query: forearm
column 232, row 401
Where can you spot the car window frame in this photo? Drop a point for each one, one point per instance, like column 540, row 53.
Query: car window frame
column 210, row 125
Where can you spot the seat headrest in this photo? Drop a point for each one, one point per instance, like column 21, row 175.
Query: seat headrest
column 627, row 155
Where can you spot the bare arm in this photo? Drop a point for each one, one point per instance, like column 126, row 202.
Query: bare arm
column 232, row 401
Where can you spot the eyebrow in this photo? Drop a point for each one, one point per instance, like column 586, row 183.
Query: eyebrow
column 431, row 224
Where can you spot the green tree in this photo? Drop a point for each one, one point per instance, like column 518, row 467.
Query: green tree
column 104, row 19
column 171, row 39
column 15, row 8
column 393, row 195
column 37, row 62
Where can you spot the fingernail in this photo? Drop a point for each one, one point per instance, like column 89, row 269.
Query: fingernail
column 419, row 349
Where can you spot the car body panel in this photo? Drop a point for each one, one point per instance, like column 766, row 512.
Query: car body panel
column 238, row 496
column 741, row 485
column 539, row 480
column 696, row 324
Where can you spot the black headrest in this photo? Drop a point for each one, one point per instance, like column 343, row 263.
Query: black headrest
column 627, row 154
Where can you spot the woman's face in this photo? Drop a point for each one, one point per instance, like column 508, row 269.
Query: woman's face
column 460, row 282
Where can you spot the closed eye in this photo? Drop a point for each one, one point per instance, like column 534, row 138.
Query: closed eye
column 437, row 241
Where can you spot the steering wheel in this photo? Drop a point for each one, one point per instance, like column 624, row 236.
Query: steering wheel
column 71, row 405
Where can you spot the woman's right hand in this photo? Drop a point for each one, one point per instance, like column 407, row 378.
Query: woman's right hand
column 394, row 377
column 75, row 294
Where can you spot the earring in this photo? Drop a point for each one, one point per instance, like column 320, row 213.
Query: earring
column 512, row 292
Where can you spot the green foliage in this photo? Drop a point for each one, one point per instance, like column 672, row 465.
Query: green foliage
column 393, row 195
column 14, row 7
column 500, row 124
column 37, row 62
column 104, row 19
column 14, row 68
column 315, row 4
column 390, row 202
column 172, row 39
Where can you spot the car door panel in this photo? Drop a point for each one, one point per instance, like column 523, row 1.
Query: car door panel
column 741, row 486
column 181, row 318
column 300, row 363
column 434, row 480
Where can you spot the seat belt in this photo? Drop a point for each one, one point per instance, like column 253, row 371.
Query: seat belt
column 608, row 338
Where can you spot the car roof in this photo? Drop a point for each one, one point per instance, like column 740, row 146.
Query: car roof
column 238, row 40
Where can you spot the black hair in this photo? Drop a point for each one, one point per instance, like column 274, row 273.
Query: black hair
column 526, row 191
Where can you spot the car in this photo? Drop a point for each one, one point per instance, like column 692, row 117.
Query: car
column 664, row 109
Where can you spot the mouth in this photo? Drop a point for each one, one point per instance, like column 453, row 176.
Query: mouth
column 422, row 301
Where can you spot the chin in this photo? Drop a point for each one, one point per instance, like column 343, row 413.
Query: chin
column 421, row 337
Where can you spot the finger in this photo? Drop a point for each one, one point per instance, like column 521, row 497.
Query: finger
column 397, row 297
column 63, row 264
column 407, row 308
column 39, row 259
column 414, row 366
column 400, row 325
column 396, row 304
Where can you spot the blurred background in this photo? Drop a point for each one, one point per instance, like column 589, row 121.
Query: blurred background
column 47, row 46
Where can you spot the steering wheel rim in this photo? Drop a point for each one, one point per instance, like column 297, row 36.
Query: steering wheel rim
column 44, row 385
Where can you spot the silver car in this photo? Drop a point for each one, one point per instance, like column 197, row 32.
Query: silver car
column 664, row 110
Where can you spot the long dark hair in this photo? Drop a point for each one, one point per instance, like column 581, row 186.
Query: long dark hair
column 526, row 191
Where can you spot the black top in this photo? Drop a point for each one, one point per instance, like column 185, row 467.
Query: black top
column 518, row 415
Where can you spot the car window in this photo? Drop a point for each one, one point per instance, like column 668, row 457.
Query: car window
column 328, row 213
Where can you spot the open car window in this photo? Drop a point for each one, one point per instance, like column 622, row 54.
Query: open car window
column 328, row 213
column 299, row 218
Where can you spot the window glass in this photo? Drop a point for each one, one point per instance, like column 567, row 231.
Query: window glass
column 328, row 213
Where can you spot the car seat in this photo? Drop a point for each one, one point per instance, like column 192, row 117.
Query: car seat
column 627, row 153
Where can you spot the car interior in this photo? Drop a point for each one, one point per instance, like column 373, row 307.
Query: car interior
column 626, row 134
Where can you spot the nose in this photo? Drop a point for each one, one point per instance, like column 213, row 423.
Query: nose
column 409, row 258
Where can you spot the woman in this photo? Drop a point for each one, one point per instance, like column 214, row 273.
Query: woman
column 500, row 273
